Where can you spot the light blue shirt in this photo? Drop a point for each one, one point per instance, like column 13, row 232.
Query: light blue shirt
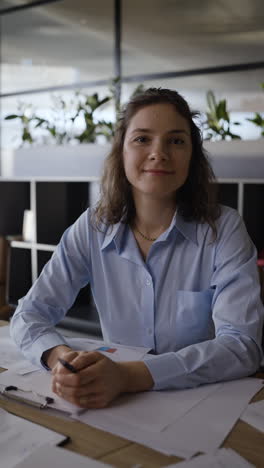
column 194, row 301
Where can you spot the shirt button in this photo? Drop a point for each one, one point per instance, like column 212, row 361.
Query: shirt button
column 148, row 282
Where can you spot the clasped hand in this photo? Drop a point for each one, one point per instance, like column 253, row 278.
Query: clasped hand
column 97, row 382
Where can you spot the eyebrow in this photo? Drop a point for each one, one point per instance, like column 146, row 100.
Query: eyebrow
column 147, row 130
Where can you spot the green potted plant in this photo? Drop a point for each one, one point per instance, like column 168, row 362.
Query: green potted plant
column 231, row 157
column 66, row 143
column 217, row 124
column 71, row 141
column 258, row 119
column 60, row 127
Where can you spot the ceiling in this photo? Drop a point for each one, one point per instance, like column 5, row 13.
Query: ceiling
column 73, row 39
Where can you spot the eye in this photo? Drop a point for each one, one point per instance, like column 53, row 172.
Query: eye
column 176, row 141
column 141, row 139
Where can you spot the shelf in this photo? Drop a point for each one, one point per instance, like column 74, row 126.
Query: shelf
column 32, row 245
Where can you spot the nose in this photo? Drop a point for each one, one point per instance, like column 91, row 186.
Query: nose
column 158, row 152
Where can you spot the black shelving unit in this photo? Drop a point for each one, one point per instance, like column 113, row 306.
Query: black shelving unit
column 55, row 204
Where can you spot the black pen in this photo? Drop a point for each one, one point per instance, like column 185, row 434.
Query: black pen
column 67, row 366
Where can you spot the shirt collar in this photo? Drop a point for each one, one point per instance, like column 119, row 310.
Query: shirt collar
column 114, row 233
column 187, row 228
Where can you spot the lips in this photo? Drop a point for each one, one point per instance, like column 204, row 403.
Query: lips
column 158, row 171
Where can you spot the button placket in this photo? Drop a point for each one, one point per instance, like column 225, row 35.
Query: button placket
column 148, row 310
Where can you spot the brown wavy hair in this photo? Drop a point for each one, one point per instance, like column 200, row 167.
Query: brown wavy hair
column 196, row 200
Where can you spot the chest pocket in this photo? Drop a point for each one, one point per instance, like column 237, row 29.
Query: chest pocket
column 191, row 317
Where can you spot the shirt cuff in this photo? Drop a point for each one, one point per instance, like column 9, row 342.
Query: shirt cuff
column 42, row 344
column 165, row 369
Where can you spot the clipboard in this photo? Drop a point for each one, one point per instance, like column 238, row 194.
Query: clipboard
column 13, row 393
column 31, row 398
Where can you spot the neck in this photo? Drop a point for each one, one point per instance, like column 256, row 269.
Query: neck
column 153, row 216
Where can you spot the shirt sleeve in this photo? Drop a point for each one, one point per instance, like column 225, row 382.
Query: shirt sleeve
column 32, row 326
column 237, row 312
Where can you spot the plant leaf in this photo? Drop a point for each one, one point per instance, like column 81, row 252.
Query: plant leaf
column 12, row 116
column 211, row 101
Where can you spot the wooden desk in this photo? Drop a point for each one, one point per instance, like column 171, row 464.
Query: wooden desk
column 122, row 453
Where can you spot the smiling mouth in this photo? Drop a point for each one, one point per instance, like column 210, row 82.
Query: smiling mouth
column 158, row 172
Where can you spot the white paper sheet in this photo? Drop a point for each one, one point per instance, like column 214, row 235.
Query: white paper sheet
column 223, row 458
column 114, row 351
column 48, row 456
column 23, row 367
column 202, row 429
column 9, row 353
column 254, row 415
column 153, row 411
column 18, row 438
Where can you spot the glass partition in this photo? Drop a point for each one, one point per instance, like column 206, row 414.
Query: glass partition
column 57, row 44
column 165, row 35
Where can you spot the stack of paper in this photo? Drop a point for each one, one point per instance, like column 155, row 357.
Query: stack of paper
column 202, row 428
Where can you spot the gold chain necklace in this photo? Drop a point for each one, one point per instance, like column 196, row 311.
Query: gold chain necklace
column 151, row 239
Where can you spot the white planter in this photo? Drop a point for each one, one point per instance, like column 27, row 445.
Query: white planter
column 229, row 159
column 237, row 158
column 84, row 160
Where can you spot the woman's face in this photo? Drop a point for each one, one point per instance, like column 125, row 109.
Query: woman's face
column 157, row 151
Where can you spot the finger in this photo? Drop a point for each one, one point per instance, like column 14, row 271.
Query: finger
column 75, row 392
column 68, row 356
column 83, row 400
column 71, row 354
column 85, row 359
column 82, row 378
column 88, row 361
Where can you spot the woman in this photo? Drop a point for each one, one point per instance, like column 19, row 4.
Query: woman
column 169, row 269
